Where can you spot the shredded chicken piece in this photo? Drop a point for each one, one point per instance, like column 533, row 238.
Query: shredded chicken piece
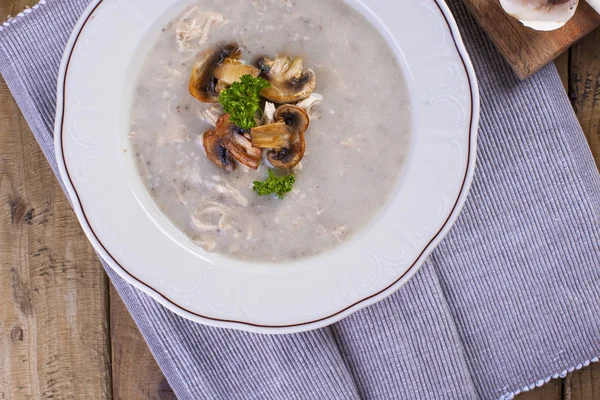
column 145, row 169
column 211, row 114
column 269, row 113
column 179, row 194
column 194, row 28
column 213, row 217
column 229, row 190
column 310, row 103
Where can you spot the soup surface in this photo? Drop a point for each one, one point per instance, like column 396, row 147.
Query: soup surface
column 356, row 144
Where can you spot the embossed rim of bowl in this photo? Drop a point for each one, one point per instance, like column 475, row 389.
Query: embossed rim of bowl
column 445, row 100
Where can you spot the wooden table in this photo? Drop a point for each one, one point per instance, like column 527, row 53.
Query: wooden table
column 64, row 332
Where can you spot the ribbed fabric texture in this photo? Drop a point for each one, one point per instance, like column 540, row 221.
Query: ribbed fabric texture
column 509, row 300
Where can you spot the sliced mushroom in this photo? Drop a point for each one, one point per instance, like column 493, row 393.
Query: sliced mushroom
column 285, row 137
column 290, row 83
column 228, row 143
column 217, row 70
column 217, row 152
column 232, row 70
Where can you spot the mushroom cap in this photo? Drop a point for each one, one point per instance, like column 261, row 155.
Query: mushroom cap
column 228, row 143
column 285, row 137
column 216, row 151
column 542, row 15
column 295, row 117
column 290, row 83
column 288, row 158
column 216, row 70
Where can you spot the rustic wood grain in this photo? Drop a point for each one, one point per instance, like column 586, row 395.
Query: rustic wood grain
column 553, row 390
column 54, row 339
column 584, row 384
column 135, row 372
column 585, row 88
column 525, row 49
column 562, row 65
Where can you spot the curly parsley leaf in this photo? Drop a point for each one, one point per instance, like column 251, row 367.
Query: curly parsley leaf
column 279, row 186
column 241, row 100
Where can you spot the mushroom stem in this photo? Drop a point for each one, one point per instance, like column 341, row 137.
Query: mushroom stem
column 284, row 138
column 290, row 83
column 295, row 68
column 273, row 136
column 231, row 71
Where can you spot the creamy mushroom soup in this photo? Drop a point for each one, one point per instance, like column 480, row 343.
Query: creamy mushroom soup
column 356, row 144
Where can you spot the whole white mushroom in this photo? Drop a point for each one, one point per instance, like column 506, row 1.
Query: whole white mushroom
column 542, row 15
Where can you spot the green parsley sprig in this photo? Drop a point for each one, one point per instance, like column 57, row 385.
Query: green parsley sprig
column 241, row 100
column 279, row 186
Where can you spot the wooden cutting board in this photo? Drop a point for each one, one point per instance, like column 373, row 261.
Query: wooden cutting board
column 527, row 50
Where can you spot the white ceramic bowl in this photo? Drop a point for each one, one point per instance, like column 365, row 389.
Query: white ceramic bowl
column 138, row 242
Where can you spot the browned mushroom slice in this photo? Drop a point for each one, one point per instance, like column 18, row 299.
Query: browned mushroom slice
column 272, row 136
column 285, row 137
column 217, row 152
column 288, row 158
column 290, row 83
column 216, row 70
column 232, row 70
column 237, row 144
column 242, row 150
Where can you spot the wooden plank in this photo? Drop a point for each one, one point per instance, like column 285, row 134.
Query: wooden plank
column 135, row 372
column 585, row 88
column 525, row 49
column 54, row 340
column 553, row 390
column 584, row 384
column 53, row 293
column 562, row 65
